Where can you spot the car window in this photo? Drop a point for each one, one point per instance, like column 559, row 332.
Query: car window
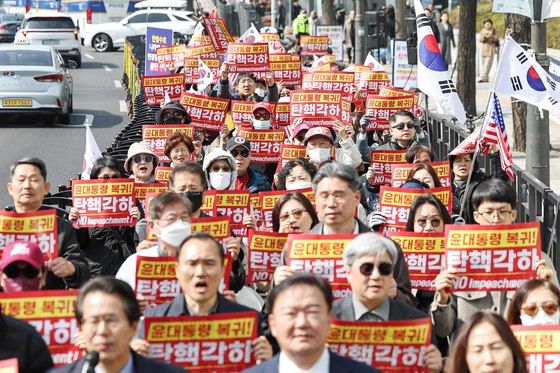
column 50, row 23
column 10, row 18
column 21, row 57
column 139, row 18
column 158, row 17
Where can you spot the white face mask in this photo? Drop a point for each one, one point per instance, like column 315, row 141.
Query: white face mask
column 260, row 92
column 175, row 233
column 319, row 155
column 541, row 318
column 220, row 180
column 261, row 124
column 299, row 185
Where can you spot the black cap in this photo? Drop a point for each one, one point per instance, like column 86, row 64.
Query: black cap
column 172, row 106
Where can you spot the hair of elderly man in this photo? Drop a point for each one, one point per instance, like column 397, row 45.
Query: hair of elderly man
column 340, row 171
column 34, row 161
column 369, row 244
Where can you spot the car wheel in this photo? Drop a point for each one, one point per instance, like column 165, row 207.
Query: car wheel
column 102, row 43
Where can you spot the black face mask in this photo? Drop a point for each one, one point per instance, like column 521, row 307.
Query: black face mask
column 174, row 120
column 195, row 198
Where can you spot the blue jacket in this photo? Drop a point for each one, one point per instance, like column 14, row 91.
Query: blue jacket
column 257, row 181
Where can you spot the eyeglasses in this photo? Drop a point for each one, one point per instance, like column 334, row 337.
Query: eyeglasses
column 148, row 158
column 400, row 126
column 185, row 219
column 433, row 222
column 92, row 323
column 173, row 114
column 13, row 271
column 178, row 151
column 222, row 168
column 297, row 214
column 260, row 116
column 244, row 153
column 384, row 268
column 550, row 308
column 489, row 215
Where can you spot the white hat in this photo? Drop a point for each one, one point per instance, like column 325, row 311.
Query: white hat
column 138, row 148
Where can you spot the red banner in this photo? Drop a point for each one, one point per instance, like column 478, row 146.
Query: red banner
column 314, row 45
column 268, row 200
column 162, row 174
column 218, row 227
column 340, row 82
column 37, row 226
column 218, row 33
column 209, row 203
column 207, row 113
column 265, row 251
column 389, row 345
column 381, row 161
column 282, row 114
column 379, row 109
column 104, row 202
column 399, row 173
column 51, row 312
column 247, row 57
column 290, row 152
column 541, row 344
column 242, row 113
column 493, row 257
column 156, row 281
column 424, row 253
column 217, row 343
column 234, row 204
column 203, row 51
column 141, row 190
column 319, row 108
column 190, row 69
column 371, row 82
column 168, row 59
column 156, row 134
column 286, row 68
column 265, row 144
column 321, row 255
column 156, row 87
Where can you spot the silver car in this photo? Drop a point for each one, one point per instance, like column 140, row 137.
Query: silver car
column 34, row 79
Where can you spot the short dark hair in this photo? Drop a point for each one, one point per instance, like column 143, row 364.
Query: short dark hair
column 301, row 279
column 514, row 310
column 289, row 166
column 422, row 200
column 204, row 237
column 34, row 161
column 191, row 167
column 245, row 75
column 427, row 167
column 393, row 118
column 493, row 190
column 296, row 197
column 164, row 199
column 488, row 20
column 458, row 361
column 106, row 161
column 112, row 286
column 416, row 149
column 340, row 171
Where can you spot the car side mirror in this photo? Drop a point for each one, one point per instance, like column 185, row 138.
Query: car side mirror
column 124, row 22
column 71, row 64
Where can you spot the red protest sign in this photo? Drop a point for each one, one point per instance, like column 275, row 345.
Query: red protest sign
column 424, row 253
column 314, row 45
column 286, row 68
column 380, row 108
column 265, row 144
column 156, row 280
column 156, row 87
column 242, row 113
column 190, row 69
column 217, row 343
column 168, row 59
column 40, row 227
column 268, row 200
column 318, row 108
column 209, row 203
column 399, row 173
column 371, row 82
column 162, row 174
column 235, row 205
column 541, row 344
column 217, row 226
column 104, row 202
column 265, row 251
column 381, row 161
column 218, row 33
column 52, row 313
column 156, row 134
column 388, row 345
column 290, row 152
column 203, row 51
column 321, row 255
column 493, row 257
column 141, row 190
column 341, row 82
column 247, row 57
column 282, row 114
column 207, row 113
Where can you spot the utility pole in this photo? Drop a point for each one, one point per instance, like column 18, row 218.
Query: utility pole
column 538, row 135
column 273, row 13
column 360, row 34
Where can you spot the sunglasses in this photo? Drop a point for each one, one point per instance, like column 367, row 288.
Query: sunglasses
column 384, row 268
column 148, row 158
column 260, row 116
column 400, row 126
column 173, row 114
column 15, row 272
column 550, row 308
column 244, row 153
column 296, row 214
column 433, row 222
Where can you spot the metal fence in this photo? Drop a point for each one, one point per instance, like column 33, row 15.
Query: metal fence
column 535, row 201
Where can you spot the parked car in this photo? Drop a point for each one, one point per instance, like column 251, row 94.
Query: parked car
column 9, row 25
column 107, row 36
column 55, row 29
column 34, row 79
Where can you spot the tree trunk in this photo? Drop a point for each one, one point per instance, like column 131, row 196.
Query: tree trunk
column 521, row 33
column 466, row 56
column 329, row 13
column 400, row 15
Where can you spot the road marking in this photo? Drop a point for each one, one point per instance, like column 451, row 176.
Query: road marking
column 87, row 117
column 123, row 107
column 117, row 84
column 107, row 68
column 89, row 56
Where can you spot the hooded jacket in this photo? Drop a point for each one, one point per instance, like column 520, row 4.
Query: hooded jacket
column 214, row 155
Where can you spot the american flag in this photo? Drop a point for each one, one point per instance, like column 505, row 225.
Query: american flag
column 495, row 133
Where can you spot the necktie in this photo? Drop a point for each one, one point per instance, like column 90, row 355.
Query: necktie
column 370, row 316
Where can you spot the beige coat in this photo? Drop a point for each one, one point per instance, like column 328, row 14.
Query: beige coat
column 488, row 42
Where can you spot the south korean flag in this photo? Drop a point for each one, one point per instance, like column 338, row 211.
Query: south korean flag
column 205, row 76
column 433, row 77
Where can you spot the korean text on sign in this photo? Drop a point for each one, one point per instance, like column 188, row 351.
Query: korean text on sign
column 155, row 88
column 156, row 38
column 247, row 58
column 389, row 345
column 265, row 250
column 341, row 82
column 424, row 253
column 104, row 203
column 321, row 255
column 286, row 69
column 492, row 258
column 371, row 82
column 218, row 227
column 265, row 144
column 381, row 161
column 314, row 45
column 399, row 173
column 289, row 152
column 156, row 134
column 234, row 204
column 162, row 174
column 206, row 113
column 156, row 281
column 37, row 226
column 541, row 344
column 319, row 108
column 379, row 109
column 51, row 313
column 217, row 343
column 218, row 33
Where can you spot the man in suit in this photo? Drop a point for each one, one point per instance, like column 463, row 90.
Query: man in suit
column 300, row 320
column 108, row 313
column 368, row 260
